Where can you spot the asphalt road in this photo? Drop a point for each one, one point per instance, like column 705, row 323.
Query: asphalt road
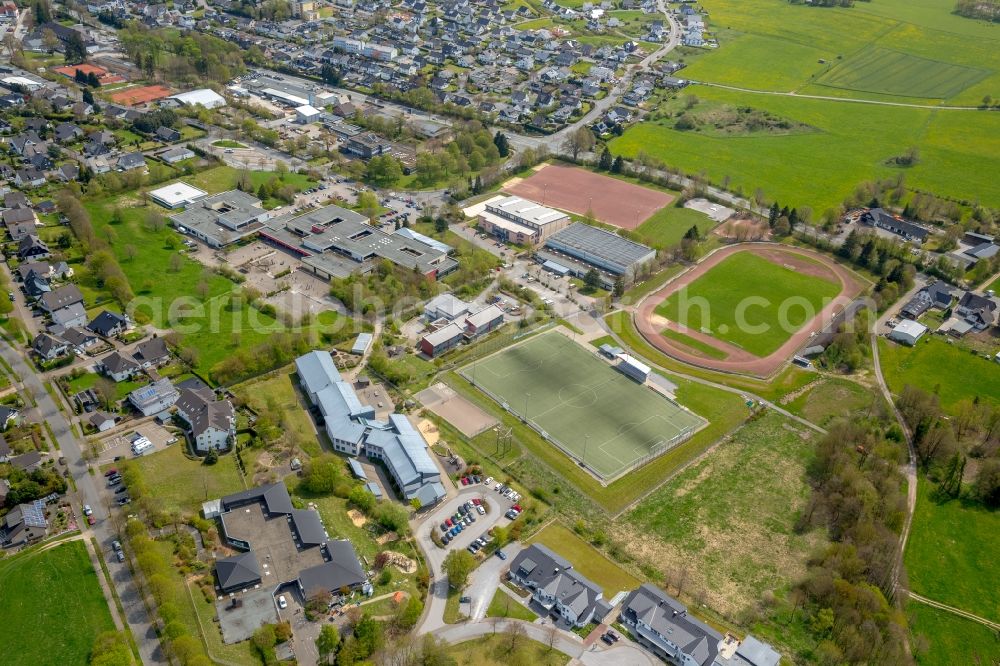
column 433, row 618
column 88, row 492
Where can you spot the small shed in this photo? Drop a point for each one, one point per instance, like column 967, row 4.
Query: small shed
column 361, row 344
column 907, row 332
column 374, row 489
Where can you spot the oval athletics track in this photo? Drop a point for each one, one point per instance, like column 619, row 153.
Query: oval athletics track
column 739, row 361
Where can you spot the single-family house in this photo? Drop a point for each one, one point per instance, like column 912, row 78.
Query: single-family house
column 154, row 398
column 118, row 366
column 109, row 324
column 211, row 422
column 60, row 298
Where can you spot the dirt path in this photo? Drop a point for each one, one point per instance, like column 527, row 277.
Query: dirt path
column 854, row 100
column 738, row 360
column 995, row 626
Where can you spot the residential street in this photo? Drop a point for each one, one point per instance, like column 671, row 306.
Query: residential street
column 88, row 492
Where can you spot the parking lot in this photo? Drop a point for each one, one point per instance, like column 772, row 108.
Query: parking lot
column 118, row 443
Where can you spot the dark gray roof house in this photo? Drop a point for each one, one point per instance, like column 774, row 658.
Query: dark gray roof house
column 238, row 571
column 557, row 586
column 32, row 247
column 24, row 524
column 108, row 324
column 60, row 298
column 151, row 352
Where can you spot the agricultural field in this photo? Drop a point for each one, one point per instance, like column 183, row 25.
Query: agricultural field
column 951, row 554
column 715, row 302
column 590, row 562
column 879, row 70
column 42, row 590
column 958, row 149
column 894, row 50
column 953, row 373
column 950, row 639
column 726, row 523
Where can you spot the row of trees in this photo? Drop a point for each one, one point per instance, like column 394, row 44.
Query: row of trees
column 858, row 497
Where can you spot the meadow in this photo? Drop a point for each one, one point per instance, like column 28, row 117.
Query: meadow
column 590, row 562
column 726, row 288
column 495, row 651
column 951, row 639
column 275, row 396
column 42, row 591
column 959, row 150
column 832, row 398
column 953, row 373
column 891, row 50
column 179, row 483
column 880, row 70
column 951, row 554
column 724, row 523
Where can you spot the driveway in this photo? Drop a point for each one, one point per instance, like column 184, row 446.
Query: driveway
column 484, row 582
column 434, row 609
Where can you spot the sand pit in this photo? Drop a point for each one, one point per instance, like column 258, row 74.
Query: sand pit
column 388, row 537
column 429, row 431
column 576, row 190
column 357, row 518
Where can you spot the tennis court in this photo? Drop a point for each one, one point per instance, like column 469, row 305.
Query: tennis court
column 581, row 404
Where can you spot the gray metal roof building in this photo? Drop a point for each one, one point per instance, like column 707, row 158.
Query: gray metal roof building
column 353, row 429
column 601, row 249
column 335, row 242
column 221, row 219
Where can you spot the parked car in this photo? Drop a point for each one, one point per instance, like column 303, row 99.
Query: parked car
column 502, row 555
column 91, row 520
column 116, row 545
column 282, row 602
column 121, row 490
column 120, row 555
column 111, row 472
column 87, row 510
column 122, row 501
column 607, row 639
column 481, row 510
column 464, row 600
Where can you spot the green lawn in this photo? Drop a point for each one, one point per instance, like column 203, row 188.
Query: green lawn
column 167, row 284
column 503, row 605
column 223, row 178
column 952, row 372
column 586, row 559
column 951, row 639
column 276, row 397
column 495, row 651
column 179, row 483
column 228, row 143
column 668, row 225
column 731, row 526
column 720, row 302
column 695, row 345
column 951, row 554
column 53, row 607
column 86, row 381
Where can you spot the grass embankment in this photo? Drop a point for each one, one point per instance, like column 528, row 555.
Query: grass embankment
column 183, row 484
column 503, row 605
column 950, row 638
